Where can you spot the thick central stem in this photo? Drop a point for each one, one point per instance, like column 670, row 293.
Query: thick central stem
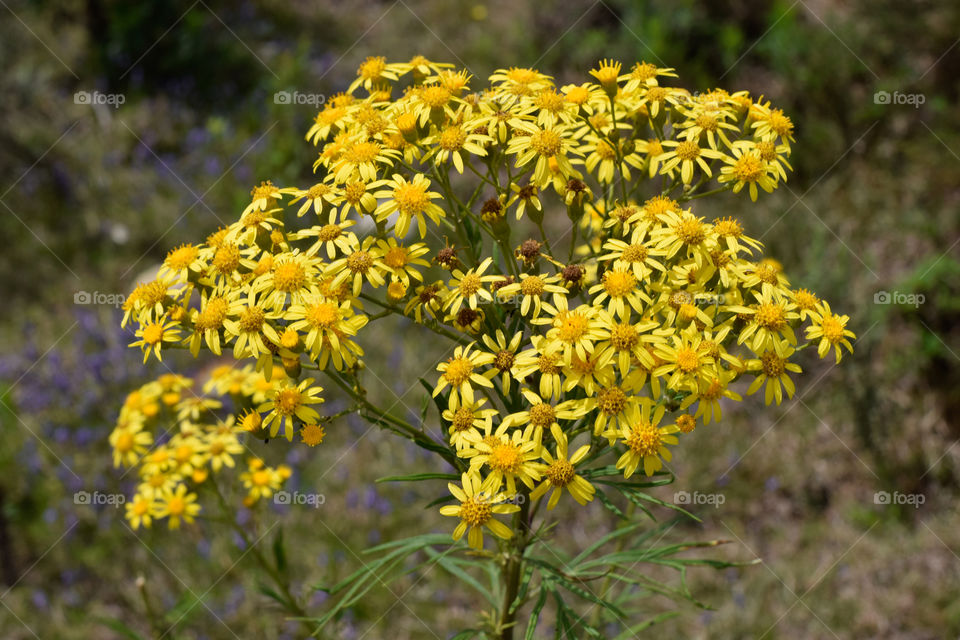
column 513, row 568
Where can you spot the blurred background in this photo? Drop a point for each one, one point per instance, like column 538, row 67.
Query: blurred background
column 129, row 128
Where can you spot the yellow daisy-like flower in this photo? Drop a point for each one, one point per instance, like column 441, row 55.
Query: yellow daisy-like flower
column 561, row 474
column 645, row 441
column 182, row 260
column 607, row 74
column 547, row 145
column 321, row 197
column 410, row 201
column 152, row 336
column 504, row 355
column 466, row 420
column 248, row 324
column 374, row 70
column 361, row 263
column 542, row 414
column 291, row 275
column 770, row 323
column 572, row 331
column 684, row 361
column 328, row 325
column 129, row 443
column 773, row 368
column 263, row 197
column 289, row 402
column 177, row 505
column 747, row 168
column 332, row 236
column 403, row 261
column 622, row 291
column 460, row 372
column 454, row 139
column 468, row 287
column 508, row 457
column 360, row 158
column 260, row 481
column 477, row 507
column 687, row 154
column 636, row 254
column 140, row 510
column 832, row 331
column 222, row 446
column 531, row 290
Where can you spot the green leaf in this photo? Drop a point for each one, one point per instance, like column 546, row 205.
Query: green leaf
column 279, row 554
column 545, row 590
column 453, row 567
column 605, row 501
column 631, row 632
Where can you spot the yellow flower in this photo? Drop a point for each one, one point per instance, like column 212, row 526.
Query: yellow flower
column 129, row 443
column 289, row 402
column 504, row 355
column 402, row 261
column 832, row 331
column 508, row 457
column 477, row 507
column 560, row 473
column 622, row 290
column 222, row 446
column 747, row 168
column 531, row 290
column 453, row 139
column 177, row 505
column 140, row 511
column 645, row 441
column 468, row 287
column 542, row 414
column 687, row 154
column 607, row 74
column 361, row 263
column 410, row 201
column 328, row 326
column 466, row 419
column 263, row 197
column 545, row 145
column 773, row 368
column 460, row 372
column 260, row 481
column 332, row 237
column 359, row 160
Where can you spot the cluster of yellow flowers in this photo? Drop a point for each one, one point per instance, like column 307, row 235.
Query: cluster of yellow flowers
column 632, row 335
column 175, row 437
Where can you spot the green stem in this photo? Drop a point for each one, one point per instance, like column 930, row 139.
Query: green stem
column 513, row 569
